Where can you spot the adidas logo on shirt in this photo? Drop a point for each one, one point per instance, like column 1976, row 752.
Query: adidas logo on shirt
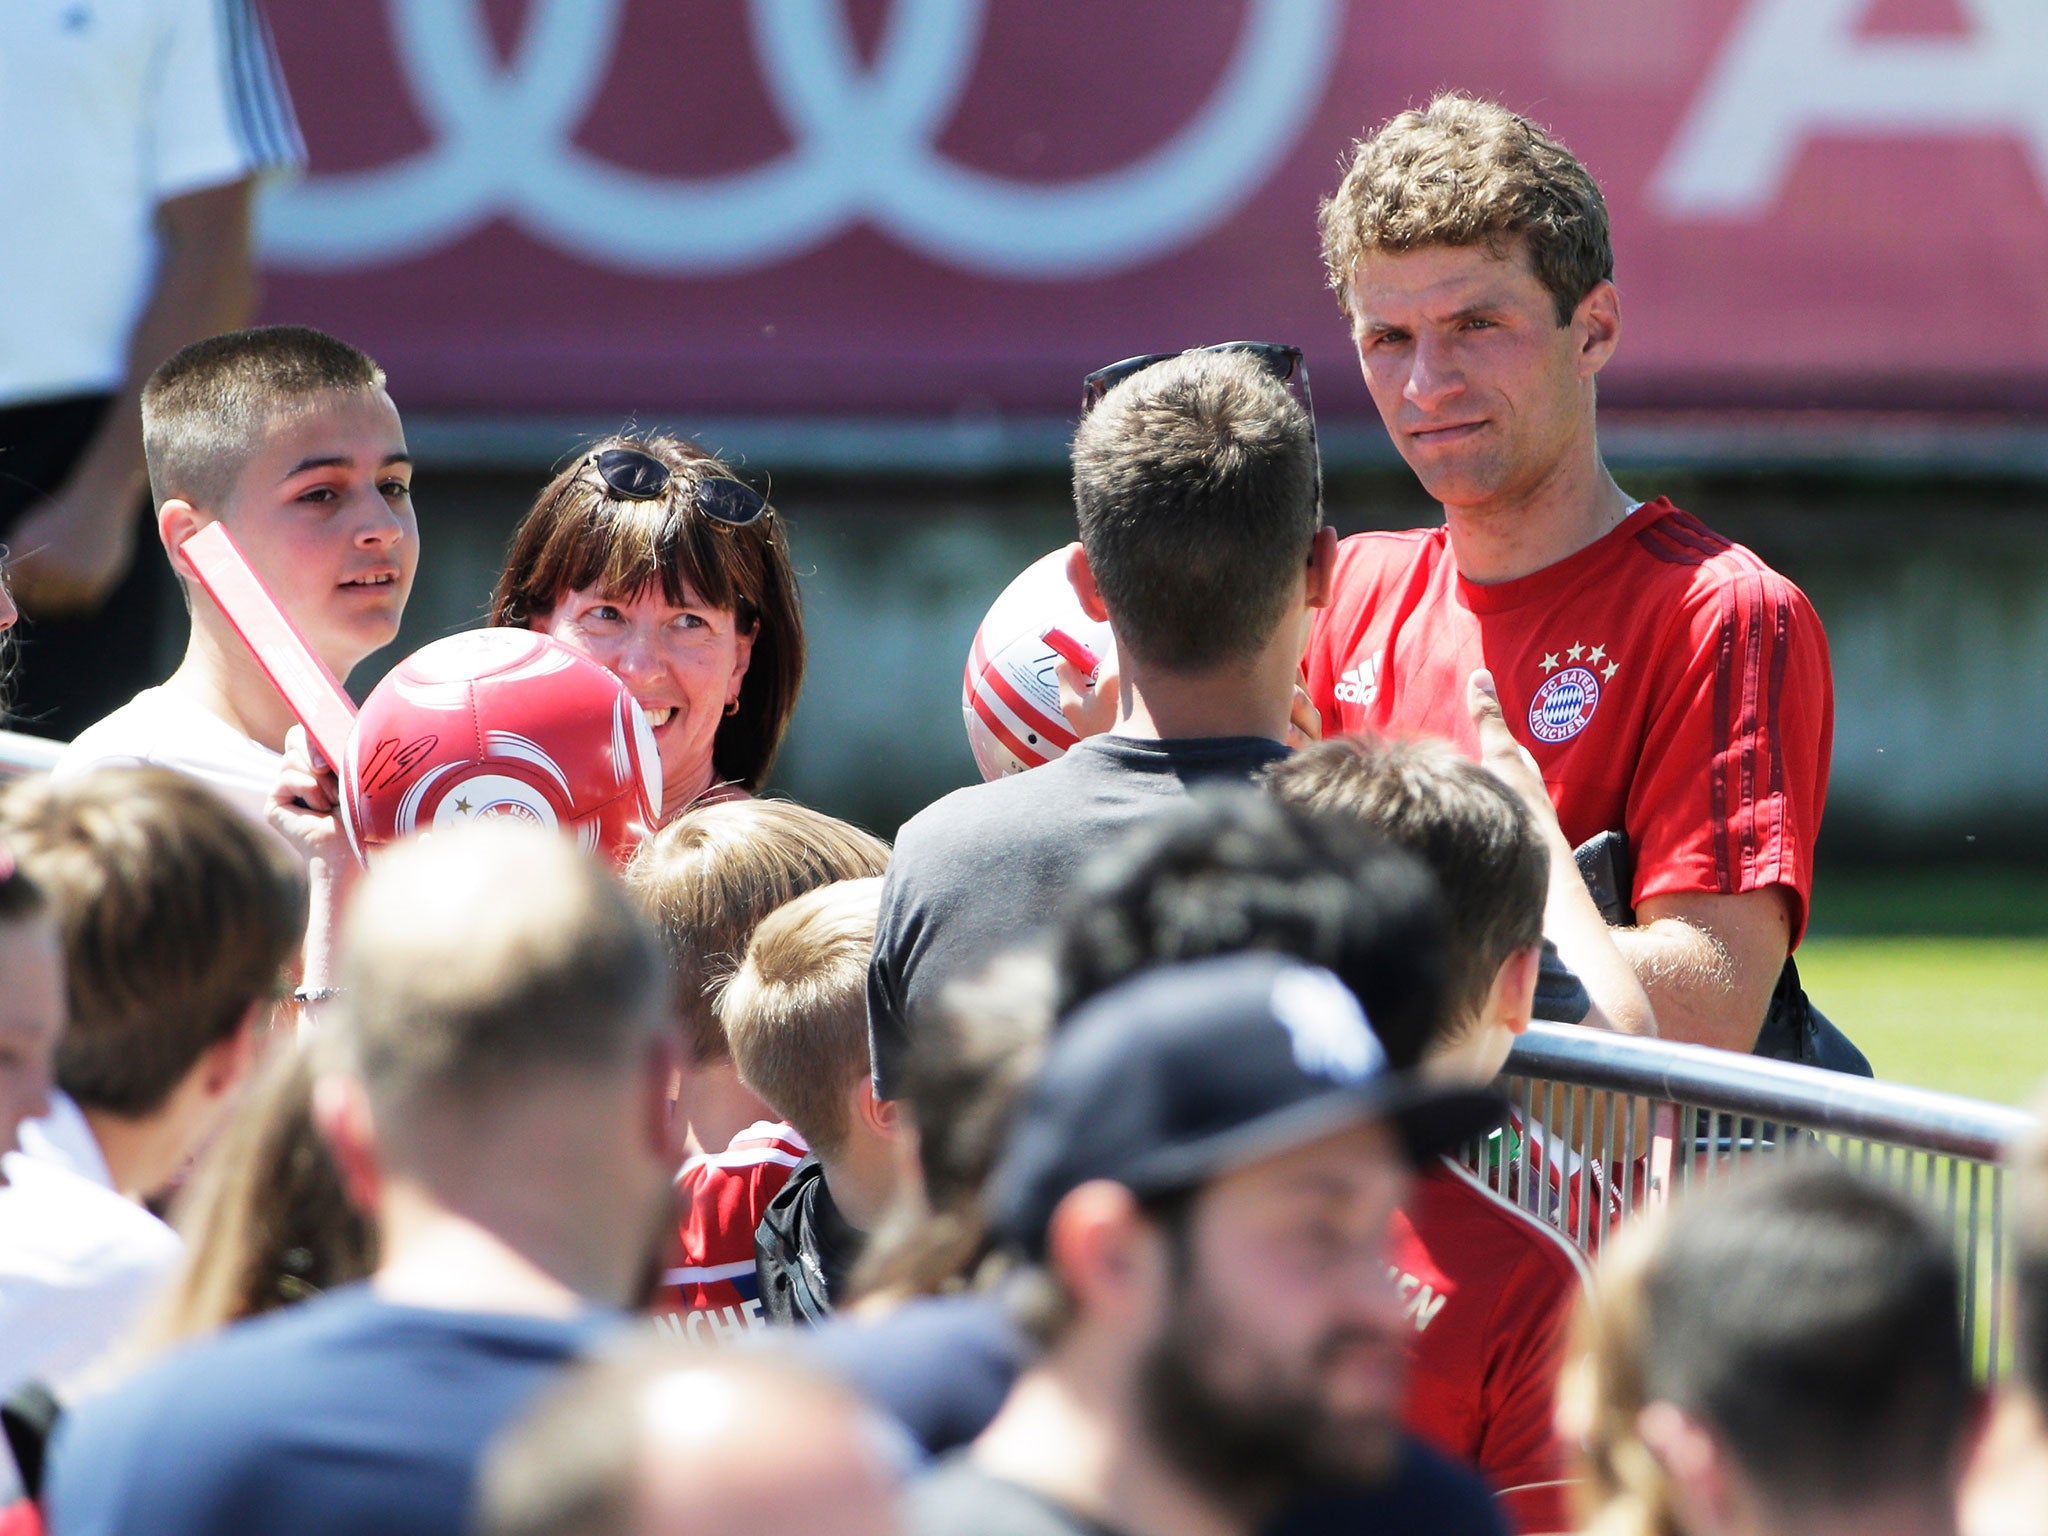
column 1360, row 685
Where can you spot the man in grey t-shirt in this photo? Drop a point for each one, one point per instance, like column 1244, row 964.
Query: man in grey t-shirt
column 1198, row 494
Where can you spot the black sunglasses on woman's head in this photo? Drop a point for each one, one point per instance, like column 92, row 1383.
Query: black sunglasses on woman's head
column 632, row 475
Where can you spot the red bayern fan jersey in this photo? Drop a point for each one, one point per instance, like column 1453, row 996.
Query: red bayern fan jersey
column 710, row 1292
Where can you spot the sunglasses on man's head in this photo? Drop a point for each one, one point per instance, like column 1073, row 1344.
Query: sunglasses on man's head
column 631, row 475
column 1279, row 360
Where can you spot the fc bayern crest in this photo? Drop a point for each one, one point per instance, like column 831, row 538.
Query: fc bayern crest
column 1563, row 705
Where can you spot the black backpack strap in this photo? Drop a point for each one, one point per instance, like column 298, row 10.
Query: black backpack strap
column 28, row 1417
column 1795, row 1030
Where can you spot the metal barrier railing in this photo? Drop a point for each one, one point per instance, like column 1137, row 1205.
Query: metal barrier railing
column 1607, row 1124
column 21, row 755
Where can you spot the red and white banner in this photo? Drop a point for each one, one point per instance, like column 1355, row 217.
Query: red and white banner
column 938, row 208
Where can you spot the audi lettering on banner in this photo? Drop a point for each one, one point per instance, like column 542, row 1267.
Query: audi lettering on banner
column 865, row 148
column 930, row 207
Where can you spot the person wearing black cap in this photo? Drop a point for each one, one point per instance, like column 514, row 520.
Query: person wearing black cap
column 1198, row 1185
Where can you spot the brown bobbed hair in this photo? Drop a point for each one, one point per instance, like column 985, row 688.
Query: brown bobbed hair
column 578, row 535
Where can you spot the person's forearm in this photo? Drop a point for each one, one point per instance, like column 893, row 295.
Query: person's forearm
column 205, row 284
column 1572, row 922
column 1693, row 984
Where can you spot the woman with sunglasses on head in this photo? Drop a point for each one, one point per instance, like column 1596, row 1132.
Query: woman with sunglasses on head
column 651, row 557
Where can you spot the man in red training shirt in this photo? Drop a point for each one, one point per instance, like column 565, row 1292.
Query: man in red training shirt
column 1669, row 684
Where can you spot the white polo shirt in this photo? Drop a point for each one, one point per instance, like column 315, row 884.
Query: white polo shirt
column 79, row 1264
column 107, row 109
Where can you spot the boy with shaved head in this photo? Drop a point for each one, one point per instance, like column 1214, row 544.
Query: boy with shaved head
column 287, row 438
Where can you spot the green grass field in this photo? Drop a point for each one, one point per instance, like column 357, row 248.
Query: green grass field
column 1942, row 979
column 1966, row 1015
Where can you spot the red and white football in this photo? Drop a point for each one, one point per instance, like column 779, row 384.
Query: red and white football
column 501, row 723
column 1011, row 693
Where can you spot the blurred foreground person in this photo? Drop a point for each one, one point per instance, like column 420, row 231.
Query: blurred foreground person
column 31, row 1018
column 2007, row 1490
column 1781, row 1356
column 1330, row 867
column 1198, row 498
column 927, row 1341
column 1199, row 1184
column 31, row 1004
column 493, row 1084
column 178, row 916
column 662, row 1441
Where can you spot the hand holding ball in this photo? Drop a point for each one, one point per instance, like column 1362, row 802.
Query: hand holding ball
column 1010, row 695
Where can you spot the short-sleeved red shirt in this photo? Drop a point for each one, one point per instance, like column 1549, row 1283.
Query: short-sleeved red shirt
column 710, row 1292
column 1670, row 684
column 1489, row 1291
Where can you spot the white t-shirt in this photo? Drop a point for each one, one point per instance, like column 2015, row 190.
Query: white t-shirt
column 78, row 1266
column 78, row 1263
column 63, row 1139
column 168, row 730
column 107, row 109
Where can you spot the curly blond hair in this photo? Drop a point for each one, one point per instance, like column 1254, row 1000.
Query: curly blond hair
column 1468, row 172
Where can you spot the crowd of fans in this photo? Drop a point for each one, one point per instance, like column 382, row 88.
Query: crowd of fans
column 1080, row 1164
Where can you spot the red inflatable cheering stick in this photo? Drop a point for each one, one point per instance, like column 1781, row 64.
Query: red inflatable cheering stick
column 302, row 678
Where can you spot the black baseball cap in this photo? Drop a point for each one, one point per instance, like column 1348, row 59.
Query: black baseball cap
column 1187, row 1071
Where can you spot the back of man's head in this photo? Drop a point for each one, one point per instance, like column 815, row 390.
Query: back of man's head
column 484, row 964
column 1811, row 1320
column 206, row 408
column 1462, row 822
column 1234, row 869
column 1195, row 487
column 712, row 874
column 658, row 1441
column 796, row 1012
column 178, row 915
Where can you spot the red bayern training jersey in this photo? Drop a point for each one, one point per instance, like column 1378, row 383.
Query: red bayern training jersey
column 1670, row 684
column 1489, row 1291
column 710, row 1290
